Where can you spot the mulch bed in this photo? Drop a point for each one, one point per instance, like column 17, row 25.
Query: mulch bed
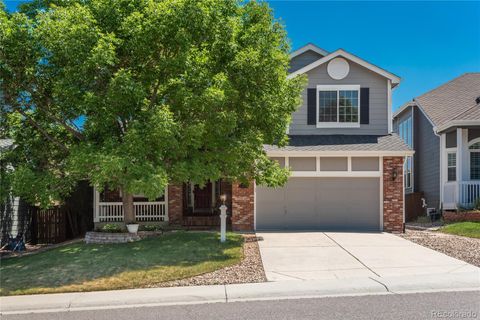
column 248, row 271
column 462, row 248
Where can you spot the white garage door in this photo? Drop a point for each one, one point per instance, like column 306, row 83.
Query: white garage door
column 320, row 203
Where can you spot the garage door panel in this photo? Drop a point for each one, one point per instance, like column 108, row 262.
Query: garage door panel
column 321, row 203
column 299, row 207
column 271, row 202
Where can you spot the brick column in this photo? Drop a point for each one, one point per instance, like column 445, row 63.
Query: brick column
column 175, row 204
column 242, row 207
column 393, row 194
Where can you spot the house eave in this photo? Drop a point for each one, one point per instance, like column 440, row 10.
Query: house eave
column 307, row 47
column 357, row 153
column 456, row 123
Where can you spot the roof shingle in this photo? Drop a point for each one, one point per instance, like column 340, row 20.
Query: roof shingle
column 391, row 142
column 454, row 100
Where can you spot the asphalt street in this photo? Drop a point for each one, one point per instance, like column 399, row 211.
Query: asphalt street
column 437, row 305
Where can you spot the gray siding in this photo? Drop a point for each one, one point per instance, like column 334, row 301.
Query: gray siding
column 303, row 59
column 358, row 75
column 451, row 139
column 426, row 160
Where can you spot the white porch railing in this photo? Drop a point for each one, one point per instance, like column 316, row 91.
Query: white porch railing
column 461, row 193
column 144, row 211
column 469, row 193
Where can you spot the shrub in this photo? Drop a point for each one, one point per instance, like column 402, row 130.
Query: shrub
column 111, row 228
column 476, row 204
column 150, row 227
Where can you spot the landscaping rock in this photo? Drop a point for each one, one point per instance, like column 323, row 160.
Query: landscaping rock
column 463, row 248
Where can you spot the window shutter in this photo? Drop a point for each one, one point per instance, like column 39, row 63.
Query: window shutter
column 311, row 106
column 364, row 105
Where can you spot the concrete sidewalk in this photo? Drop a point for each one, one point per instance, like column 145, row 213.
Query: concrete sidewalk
column 237, row 292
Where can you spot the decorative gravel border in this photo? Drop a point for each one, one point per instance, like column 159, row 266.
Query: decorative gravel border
column 249, row 270
column 463, row 248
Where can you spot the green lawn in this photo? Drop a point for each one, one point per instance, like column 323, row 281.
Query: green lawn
column 82, row 267
column 466, row 229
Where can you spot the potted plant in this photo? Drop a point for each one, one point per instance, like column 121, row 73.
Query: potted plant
column 132, row 227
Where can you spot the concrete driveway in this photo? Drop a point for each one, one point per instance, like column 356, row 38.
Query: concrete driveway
column 332, row 255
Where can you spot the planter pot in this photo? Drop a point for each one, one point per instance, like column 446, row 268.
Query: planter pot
column 132, row 228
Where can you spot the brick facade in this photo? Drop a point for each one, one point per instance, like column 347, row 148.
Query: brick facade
column 175, row 204
column 242, row 200
column 393, row 194
column 242, row 207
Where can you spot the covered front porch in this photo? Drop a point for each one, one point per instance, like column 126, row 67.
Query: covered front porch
column 191, row 205
column 460, row 167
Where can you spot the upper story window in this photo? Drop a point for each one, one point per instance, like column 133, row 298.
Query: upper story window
column 338, row 106
column 405, row 131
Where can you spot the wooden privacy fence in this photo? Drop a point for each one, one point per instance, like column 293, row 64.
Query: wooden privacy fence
column 49, row 225
column 413, row 206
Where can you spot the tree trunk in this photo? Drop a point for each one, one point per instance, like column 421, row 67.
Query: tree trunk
column 128, row 210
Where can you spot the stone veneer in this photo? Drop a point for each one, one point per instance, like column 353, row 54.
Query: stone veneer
column 393, row 195
column 175, row 204
column 108, row 237
column 242, row 207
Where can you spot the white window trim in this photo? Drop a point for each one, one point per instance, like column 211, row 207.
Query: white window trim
column 408, row 186
column 337, row 124
column 451, row 151
column 476, row 140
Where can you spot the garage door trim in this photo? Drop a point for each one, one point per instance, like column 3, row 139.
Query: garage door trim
column 336, row 174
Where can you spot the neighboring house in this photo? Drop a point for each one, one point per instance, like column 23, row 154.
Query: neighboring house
column 346, row 165
column 443, row 127
column 14, row 217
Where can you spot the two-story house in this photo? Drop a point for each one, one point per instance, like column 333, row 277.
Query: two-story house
column 443, row 127
column 346, row 165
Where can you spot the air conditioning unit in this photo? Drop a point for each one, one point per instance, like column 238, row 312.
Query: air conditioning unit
column 431, row 212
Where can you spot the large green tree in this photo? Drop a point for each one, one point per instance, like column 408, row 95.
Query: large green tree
column 136, row 94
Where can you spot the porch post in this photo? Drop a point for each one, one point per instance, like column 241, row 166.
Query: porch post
column 96, row 205
column 460, row 163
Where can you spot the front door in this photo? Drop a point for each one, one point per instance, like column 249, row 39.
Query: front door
column 202, row 198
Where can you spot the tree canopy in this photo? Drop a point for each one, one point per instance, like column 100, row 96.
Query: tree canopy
column 136, row 94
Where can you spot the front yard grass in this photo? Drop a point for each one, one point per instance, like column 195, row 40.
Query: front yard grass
column 82, row 267
column 466, row 229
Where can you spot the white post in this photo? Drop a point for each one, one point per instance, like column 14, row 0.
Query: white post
column 459, row 173
column 223, row 223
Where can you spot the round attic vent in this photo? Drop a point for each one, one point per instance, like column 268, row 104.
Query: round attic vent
column 338, row 68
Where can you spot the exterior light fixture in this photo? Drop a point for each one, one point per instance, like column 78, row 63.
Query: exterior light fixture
column 394, row 174
column 223, row 198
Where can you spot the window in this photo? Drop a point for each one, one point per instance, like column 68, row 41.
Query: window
column 451, row 166
column 338, row 106
column 475, row 161
column 407, row 172
column 405, row 131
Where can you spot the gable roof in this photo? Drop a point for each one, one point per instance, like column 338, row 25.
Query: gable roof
column 307, row 47
column 340, row 52
column 451, row 104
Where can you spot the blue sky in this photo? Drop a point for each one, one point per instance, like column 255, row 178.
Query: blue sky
column 425, row 43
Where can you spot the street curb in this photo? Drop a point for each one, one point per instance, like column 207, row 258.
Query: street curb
column 134, row 298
